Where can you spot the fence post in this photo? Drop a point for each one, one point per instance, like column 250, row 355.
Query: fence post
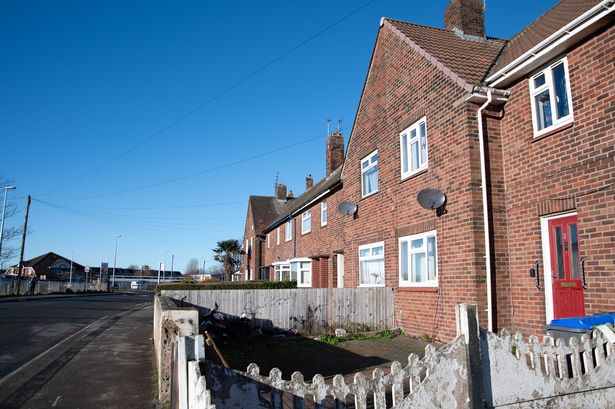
column 182, row 373
column 467, row 325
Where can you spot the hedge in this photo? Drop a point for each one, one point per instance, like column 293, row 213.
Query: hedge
column 229, row 285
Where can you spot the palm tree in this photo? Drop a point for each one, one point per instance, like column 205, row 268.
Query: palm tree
column 228, row 253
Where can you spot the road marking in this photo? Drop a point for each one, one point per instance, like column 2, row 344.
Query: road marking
column 42, row 354
column 55, row 402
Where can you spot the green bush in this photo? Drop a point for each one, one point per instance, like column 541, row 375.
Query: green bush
column 229, row 285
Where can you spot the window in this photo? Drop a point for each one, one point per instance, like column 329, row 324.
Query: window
column 268, row 234
column 550, row 98
column 418, row 263
column 289, row 231
column 277, row 239
column 369, row 174
column 301, row 270
column 371, row 264
column 323, row 213
column 281, row 272
column 413, row 145
column 306, row 222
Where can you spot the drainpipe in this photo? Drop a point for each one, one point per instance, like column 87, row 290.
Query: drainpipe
column 483, row 174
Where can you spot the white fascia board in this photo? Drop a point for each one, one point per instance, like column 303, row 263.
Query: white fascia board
column 310, row 203
column 553, row 45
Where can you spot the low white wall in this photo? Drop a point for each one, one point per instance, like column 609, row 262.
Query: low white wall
column 170, row 322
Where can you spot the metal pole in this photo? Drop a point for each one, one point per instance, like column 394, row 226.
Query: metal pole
column 6, row 189
column 114, row 261
column 23, row 243
column 70, row 277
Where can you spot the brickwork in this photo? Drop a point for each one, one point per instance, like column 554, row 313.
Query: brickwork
column 572, row 169
column 402, row 87
column 467, row 16
column 248, row 259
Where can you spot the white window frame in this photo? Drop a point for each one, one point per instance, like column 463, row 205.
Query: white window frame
column 408, row 239
column 548, row 85
column 370, row 165
column 277, row 239
column 278, row 270
column 288, row 230
column 324, row 213
column 371, row 257
column 306, row 217
column 404, row 148
column 298, row 261
column 268, row 234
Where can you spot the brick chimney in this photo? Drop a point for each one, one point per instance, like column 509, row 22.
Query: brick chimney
column 280, row 191
column 467, row 16
column 309, row 182
column 335, row 151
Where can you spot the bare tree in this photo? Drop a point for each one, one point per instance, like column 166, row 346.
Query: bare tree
column 10, row 232
column 192, row 268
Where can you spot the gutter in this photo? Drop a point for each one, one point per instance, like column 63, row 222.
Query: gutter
column 553, row 44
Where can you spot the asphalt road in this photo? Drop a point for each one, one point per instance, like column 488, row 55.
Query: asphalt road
column 88, row 351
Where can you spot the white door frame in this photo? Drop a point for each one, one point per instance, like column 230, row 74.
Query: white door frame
column 340, row 270
column 546, row 261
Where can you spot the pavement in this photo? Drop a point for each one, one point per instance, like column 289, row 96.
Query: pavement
column 94, row 360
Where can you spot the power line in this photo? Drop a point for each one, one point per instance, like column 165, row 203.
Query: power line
column 201, row 172
column 147, row 208
column 210, row 100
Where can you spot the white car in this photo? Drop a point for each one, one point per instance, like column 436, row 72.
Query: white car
column 137, row 285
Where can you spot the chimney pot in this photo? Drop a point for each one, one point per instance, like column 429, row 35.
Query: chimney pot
column 309, row 182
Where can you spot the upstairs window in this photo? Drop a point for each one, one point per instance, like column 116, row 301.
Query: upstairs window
column 323, row 213
column 413, row 146
column 371, row 264
column 418, row 265
column 277, row 239
column 306, row 222
column 289, row 231
column 369, row 174
column 550, row 98
column 268, row 240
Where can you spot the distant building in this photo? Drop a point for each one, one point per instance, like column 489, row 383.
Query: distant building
column 50, row 266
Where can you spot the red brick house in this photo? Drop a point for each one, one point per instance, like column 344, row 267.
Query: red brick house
column 518, row 135
column 298, row 238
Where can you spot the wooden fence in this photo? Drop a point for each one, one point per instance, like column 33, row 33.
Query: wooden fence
column 309, row 310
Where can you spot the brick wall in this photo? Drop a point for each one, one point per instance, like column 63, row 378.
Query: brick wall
column 320, row 244
column 572, row 169
column 401, row 88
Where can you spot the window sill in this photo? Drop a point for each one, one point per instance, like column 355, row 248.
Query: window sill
column 370, row 285
column 556, row 129
column 307, row 232
column 434, row 289
column 369, row 195
column 413, row 175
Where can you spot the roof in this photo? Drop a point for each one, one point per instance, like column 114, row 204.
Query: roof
column 44, row 261
column 554, row 19
column 469, row 57
column 312, row 193
column 265, row 209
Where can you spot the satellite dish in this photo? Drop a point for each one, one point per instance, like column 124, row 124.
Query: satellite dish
column 347, row 208
column 431, row 198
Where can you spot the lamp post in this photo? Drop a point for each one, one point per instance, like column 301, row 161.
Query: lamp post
column 114, row 261
column 6, row 189
column 164, row 265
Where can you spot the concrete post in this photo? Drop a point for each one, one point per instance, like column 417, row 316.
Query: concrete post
column 467, row 325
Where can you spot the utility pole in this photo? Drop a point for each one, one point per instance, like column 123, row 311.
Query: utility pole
column 6, row 189
column 23, row 243
column 172, row 260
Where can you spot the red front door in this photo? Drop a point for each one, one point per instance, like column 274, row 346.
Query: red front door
column 565, row 268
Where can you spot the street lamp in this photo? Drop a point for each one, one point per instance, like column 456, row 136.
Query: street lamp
column 6, row 189
column 114, row 261
column 164, row 265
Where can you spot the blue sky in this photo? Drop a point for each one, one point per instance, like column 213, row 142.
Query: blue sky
column 94, row 98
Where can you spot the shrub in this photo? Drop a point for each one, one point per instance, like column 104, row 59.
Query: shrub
column 229, row 285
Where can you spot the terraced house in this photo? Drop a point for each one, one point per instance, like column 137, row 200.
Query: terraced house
column 517, row 135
